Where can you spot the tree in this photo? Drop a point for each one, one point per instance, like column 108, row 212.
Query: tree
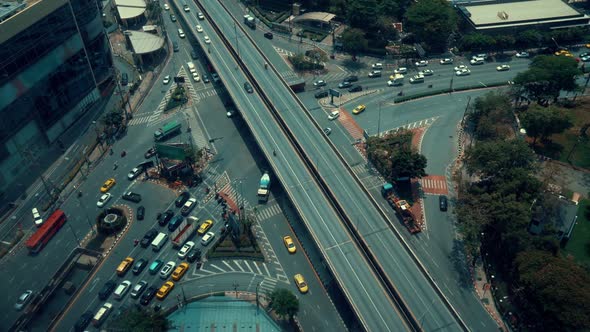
column 541, row 122
column 140, row 319
column 354, row 41
column 406, row 163
column 547, row 76
column 529, row 38
column 284, row 303
column 477, row 41
column 432, row 21
column 504, row 42
column 361, row 14
column 556, row 292
column 499, row 158
column 114, row 118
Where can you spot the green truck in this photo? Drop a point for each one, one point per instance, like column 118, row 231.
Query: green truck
column 168, row 130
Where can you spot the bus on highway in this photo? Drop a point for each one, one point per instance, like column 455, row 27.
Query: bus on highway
column 40, row 238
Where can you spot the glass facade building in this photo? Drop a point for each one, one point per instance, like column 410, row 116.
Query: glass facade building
column 54, row 55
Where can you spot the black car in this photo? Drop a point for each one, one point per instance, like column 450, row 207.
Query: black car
column 124, row 79
column 442, row 202
column 106, row 290
column 356, row 88
column 175, row 46
column 150, row 153
column 321, row 94
column 173, row 17
column 148, row 295
column 165, row 218
column 83, row 321
column 351, row 78
column 182, row 198
column 140, row 213
column 268, row 35
column 193, row 255
column 248, row 87
column 345, row 84
column 139, row 266
column 132, row 197
column 194, row 55
column 205, row 78
column 175, row 222
column 148, row 238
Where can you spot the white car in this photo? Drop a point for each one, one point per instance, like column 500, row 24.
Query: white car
column 585, row 58
column 199, row 28
column 201, row 16
column 463, row 72
column 417, row 79
column 402, row 70
column 477, row 61
column 185, row 249
column 319, row 83
column 522, row 54
column 426, row 72
column 37, row 217
column 378, row 66
column 166, row 79
column 167, row 270
column 207, row 238
column 181, row 33
column 421, row 63
column 230, row 113
column 133, row 173
column 207, row 40
column 460, row 67
column 186, row 8
column 103, row 200
column 196, row 77
column 503, row 68
column 446, row 61
column 393, row 83
column 23, row 300
column 333, row 115
column 166, row 7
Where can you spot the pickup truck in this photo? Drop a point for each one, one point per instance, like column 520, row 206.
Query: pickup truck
column 132, row 197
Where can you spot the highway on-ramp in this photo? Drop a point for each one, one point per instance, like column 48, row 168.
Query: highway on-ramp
column 426, row 303
column 362, row 287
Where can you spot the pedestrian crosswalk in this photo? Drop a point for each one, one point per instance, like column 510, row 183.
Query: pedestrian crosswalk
column 288, row 74
column 412, row 125
column 332, row 76
column 268, row 212
column 242, row 266
column 353, row 128
column 434, row 184
column 368, row 175
column 283, row 52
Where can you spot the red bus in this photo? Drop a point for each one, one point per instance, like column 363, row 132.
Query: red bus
column 40, row 238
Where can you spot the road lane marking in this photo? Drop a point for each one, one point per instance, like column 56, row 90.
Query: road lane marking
column 228, row 265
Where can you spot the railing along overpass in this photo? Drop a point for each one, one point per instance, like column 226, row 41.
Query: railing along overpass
column 373, row 265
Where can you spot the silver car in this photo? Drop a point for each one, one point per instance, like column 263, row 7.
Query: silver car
column 23, row 300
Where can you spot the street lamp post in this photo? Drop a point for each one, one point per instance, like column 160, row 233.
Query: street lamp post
column 257, row 301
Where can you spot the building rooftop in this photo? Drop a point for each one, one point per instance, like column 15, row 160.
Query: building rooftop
column 144, row 42
column 517, row 12
column 130, row 8
column 10, row 8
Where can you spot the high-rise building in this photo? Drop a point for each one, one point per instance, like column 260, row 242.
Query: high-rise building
column 54, row 59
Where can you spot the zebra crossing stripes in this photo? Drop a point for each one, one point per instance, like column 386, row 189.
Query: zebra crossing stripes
column 418, row 124
column 283, row 52
column 331, row 76
column 268, row 212
column 268, row 285
column 350, row 124
column 434, row 184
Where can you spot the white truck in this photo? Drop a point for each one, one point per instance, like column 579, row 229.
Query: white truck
column 264, row 188
column 193, row 70
column 101, row 314
column 159, row 241
column 395, row 79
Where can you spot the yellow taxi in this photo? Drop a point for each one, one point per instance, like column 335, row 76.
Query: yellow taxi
column 205, row 227
column 179, row 271
column 164, row 290
column 563, row 52
column 124, row 266
column 301, row 284
column 108, row 184
column 288, row 241
column 359, row 109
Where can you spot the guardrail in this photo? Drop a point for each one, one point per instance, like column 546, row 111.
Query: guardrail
column 387, row 284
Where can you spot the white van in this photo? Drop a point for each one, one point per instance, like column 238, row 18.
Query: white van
column 191, row 67
column 37, row 217
column 122, row 289
column 102, row 314
column 159, row 241
column 181, row 33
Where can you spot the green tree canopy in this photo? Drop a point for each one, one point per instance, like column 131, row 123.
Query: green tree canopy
column 354, row 41
column 361, row 13
column 499, row 158
column 284, row 303
column 547, row 76
column 477, row 41
column 432, row 21
column 542, row 122
column 407, row 163
column 556, row 292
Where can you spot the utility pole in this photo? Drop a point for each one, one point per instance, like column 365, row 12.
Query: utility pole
column 257, row 301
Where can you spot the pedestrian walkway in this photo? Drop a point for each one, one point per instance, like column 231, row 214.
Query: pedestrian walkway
column 434, row 185
column 269, row 271
column 350, row 124
column 268, row 212
column 283, row 52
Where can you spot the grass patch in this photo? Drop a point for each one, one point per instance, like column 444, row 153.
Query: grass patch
column 570, row 142
column 579, row 244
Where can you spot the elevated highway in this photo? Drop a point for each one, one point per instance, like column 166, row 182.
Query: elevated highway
column 280, row 123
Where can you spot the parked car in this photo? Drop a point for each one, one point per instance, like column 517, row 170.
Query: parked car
column 182, row 198
column 140, row 212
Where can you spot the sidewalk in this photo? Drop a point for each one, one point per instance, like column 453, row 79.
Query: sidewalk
column 484, row 293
